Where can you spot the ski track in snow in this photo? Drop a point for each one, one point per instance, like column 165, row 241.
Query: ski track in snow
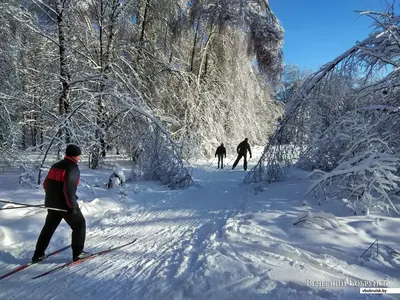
column 224, row 240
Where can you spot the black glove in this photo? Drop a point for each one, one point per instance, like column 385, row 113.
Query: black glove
column 74, row 210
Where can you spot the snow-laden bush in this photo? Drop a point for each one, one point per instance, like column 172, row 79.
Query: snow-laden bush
column 28, row 175
column 164, row 163
column 157, row 157
column 363, row 181
column 320, row 220
column 357, row 160
column 352, row 133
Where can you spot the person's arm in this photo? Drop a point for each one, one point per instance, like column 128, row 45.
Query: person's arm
column 237, row 149
column 216, row 152
column 248, row 147
column 70, row 186
column 225, row 152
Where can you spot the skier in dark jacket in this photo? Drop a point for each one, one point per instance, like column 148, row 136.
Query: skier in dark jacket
column 60, row 186
column 242, row 149
column 221, row 152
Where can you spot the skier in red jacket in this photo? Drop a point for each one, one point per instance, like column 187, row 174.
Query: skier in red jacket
column 60, row 186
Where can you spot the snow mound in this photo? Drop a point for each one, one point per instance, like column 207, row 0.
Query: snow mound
column 120, row 173
column 98, row 207
column 7, row 236
column 230, row 226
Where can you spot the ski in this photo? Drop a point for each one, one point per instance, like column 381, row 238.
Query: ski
column 93, row 255
column 22, row 267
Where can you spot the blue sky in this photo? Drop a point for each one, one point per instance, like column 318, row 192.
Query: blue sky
column 317, row 31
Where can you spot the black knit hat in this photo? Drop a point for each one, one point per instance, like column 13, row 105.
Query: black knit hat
column 73, row 150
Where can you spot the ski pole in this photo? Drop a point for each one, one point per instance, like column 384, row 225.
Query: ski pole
column 35, row 206
column 52, row 208
column 19, row 203
column 24, row 205
column 230, row 161
column 212, row 161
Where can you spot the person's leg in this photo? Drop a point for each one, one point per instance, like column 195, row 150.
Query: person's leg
column 53, row 219
column 77, row 223
column 219, row 160
column 245, row 162
column 222, row 162
column 237, row 161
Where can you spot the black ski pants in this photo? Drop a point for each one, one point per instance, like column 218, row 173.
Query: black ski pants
column 77, row 223
column 238, row 159
column 221, row 160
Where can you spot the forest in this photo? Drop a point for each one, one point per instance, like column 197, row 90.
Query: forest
column 131, row 75
column 166, row 81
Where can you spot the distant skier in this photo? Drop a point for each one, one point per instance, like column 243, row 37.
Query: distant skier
column 242, row 149
column 60, row 186
column 221, row 152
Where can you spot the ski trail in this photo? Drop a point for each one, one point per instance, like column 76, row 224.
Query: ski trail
column 224, row 240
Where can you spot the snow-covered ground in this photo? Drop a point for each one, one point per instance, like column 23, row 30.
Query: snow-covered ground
column 222, row 240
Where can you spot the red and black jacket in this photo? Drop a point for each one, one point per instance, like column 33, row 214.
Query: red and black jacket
column 61, row 184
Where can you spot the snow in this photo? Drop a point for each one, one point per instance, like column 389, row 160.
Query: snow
column 222, row 240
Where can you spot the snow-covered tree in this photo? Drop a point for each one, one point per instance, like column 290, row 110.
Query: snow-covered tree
column 203, row 71
column 343, row 122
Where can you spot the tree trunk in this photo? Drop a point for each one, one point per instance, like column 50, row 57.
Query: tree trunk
column 64, row 99
column 143, row 29
column 203, row 59
column 106, row 42
column 23, row 137
column 194, row 47
column 34, row 130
